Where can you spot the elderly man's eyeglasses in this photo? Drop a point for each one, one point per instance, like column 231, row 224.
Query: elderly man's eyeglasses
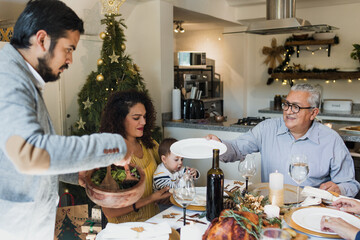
column 294, row 107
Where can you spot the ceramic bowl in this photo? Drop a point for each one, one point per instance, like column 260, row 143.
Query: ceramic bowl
column 115, row 198
column 323, row 35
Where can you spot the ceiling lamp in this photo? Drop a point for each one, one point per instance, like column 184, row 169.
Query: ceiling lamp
column 178, row 27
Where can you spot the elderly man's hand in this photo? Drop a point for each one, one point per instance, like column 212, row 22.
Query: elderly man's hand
column 330, row 186
column 212, row 137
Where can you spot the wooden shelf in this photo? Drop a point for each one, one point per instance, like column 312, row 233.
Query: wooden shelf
column 298, row 43
column 320, row 75
column 310, row 42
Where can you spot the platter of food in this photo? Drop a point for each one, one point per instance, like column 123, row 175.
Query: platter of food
column 308, row 219
column 289, row 192
column 351, row 129
column 196, row 148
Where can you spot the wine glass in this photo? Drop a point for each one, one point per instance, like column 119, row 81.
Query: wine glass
column 298, row 170
column 184, row 191
column 247, row 169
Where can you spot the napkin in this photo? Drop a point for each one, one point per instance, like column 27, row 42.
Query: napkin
column 310, row 201
column 192, row 231
column 121, row 231
column 318, row 193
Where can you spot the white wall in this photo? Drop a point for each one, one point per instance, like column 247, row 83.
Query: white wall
column 245, row 75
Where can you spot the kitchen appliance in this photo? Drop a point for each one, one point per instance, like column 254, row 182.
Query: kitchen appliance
column 280, row 19
column 337, row 105
column 187, row 59
column 194, row 109
column 200, row 81
column 250, row 121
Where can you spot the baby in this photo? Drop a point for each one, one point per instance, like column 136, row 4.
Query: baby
column 170, row 168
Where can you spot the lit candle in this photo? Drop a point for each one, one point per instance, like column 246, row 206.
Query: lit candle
column 271, row 211
column 276, row 186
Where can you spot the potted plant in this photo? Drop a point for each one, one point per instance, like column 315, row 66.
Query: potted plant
column 355, row 54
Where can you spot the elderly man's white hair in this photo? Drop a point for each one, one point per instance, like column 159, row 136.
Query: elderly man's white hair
column 314, row 99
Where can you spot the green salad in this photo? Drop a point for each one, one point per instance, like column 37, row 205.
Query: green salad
column 118, row 173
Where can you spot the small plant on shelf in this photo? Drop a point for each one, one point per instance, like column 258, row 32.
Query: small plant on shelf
column 355, row 54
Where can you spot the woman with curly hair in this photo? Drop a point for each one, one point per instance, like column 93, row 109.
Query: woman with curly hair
column 132, row 114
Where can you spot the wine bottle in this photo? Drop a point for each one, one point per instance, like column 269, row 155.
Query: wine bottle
column 214, row 189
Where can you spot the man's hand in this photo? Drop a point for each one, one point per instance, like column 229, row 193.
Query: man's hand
column 212, row 137
column 127, row 157
column 82, row 179
column 330, row 186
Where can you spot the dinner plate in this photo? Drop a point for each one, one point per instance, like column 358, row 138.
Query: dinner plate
column 310, row 218
column 347, row 70
column 196, row 148
column 289, row 192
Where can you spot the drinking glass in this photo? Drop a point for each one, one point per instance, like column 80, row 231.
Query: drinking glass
column 247, row 169
column 298, row 170
column 184, row 191
column 274, row 234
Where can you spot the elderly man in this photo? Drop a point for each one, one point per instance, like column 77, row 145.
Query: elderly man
column 330, row 164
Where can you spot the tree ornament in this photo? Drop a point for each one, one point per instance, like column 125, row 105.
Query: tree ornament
column 136, row 67
column 87, row 103
column 123, row 47
column 100, row 62
column 111, row 6
column 274, row 53
column 81, row 123
column 102, row 35
column 114, row 57
column 100, row 78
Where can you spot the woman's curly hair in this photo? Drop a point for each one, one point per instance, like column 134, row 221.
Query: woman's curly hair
column 118, row 107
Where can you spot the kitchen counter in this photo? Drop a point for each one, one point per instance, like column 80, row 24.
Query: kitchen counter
column 228, row 126
column 354, row 114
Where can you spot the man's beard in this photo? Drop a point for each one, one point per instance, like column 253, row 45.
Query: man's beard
column 46, row 72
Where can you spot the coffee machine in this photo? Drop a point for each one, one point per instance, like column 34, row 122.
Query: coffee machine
column 193, row 108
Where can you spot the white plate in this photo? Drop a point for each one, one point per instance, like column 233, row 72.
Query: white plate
column 309, row 218
column 196, row 148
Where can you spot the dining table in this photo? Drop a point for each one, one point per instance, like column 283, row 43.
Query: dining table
column 198, row 229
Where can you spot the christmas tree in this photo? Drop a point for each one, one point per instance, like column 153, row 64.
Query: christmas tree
column 68, row 230
column 115, row 72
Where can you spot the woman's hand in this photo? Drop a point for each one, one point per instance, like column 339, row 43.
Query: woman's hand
column 347, row 205
column 212, row 137
column 161, row 194
column 339, row 226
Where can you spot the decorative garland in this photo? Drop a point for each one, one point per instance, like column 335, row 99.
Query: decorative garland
column 284, row 66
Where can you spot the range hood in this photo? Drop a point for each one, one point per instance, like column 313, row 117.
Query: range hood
column 280, row 19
